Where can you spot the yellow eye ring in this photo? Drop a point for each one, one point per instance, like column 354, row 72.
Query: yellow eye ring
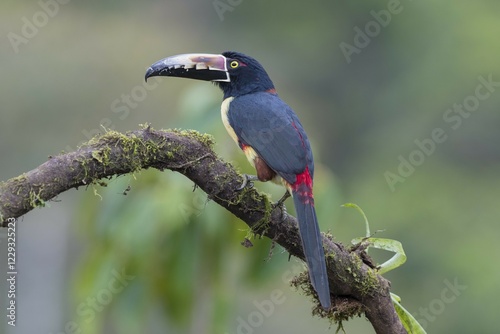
column 234, row 64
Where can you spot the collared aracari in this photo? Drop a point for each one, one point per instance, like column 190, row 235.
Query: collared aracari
column 268, row 132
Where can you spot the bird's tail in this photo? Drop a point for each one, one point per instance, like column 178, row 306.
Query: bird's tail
column 312, row 243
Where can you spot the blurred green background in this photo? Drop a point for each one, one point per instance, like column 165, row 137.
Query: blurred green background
column 160, row 258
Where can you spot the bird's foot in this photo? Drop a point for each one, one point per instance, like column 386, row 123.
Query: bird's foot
column 281, row 204
column 247, row 181
column 282, row 200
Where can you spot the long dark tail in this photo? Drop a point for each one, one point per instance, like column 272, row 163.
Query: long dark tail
column 313, row 245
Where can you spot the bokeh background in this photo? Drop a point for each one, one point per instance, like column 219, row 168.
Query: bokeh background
column 146, row 254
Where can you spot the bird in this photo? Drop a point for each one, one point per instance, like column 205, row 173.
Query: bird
column 269, row 133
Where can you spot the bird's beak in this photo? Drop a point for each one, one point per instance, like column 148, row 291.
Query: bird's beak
column 200, row 66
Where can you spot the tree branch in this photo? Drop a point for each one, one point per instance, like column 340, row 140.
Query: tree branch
column 356, row 288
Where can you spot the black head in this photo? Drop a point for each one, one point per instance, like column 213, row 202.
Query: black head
column 235, row 73
column 246, row 76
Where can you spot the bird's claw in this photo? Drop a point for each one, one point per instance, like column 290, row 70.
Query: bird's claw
column 247, row 181
column 281, row 204
column 282, row 200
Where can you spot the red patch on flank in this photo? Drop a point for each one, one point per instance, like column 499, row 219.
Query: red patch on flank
column 304, row 178
column 303, row 186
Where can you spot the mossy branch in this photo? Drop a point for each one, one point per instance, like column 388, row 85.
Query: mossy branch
column 355, row 286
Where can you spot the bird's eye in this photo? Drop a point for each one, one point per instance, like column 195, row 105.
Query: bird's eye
column 234, row 64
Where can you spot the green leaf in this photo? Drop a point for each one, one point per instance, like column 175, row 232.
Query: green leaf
column 355, row 206
column 409, row 322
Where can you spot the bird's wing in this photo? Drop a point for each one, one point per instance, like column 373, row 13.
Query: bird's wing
column 267, row 124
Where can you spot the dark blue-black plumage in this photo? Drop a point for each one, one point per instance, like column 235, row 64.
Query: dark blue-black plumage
column 263, row 121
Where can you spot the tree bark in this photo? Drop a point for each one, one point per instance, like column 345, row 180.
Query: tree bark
column 356, row 288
